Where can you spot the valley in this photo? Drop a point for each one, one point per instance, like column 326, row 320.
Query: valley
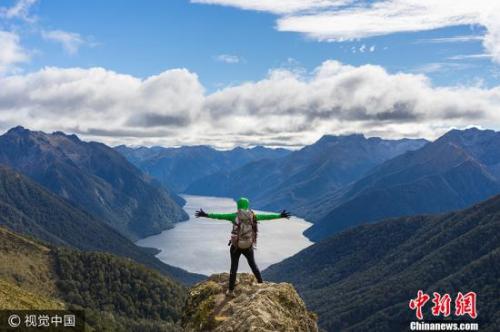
column 369, row 214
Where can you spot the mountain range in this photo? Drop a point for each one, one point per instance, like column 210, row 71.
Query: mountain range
column 177, row 168
column 305, row 175
column 94, row 177
column 363, row 278
column 458, row 169
column 87, row 202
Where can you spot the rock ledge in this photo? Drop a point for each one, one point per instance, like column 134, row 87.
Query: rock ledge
column 254, row 307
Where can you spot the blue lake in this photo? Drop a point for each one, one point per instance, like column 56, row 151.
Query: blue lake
column 200, row 245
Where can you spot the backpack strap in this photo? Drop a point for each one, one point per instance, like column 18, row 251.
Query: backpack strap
column 235, row 233
column 255, row 228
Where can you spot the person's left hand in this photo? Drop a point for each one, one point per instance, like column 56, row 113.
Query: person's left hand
column 200, row 213
column 285, row 214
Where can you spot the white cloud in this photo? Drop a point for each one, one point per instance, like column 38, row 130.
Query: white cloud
column 335, row 21
column 470, row 56
column 100, row 102
column 70, row 41
column 454, row 39
column 20, row 10
column 435, row 67
column 277, row 6
column 363, row 49
column 228, row 58
column 11, row 52
column 384, row 17
column 337, row 92
column 284, row 108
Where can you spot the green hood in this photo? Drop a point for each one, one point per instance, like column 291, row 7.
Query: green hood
column 243, row 203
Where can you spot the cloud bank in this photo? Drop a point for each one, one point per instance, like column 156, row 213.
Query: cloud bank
column 285, row 108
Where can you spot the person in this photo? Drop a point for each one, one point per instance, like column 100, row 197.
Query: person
column 243, row 236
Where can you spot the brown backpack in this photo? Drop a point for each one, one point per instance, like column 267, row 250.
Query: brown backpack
column 244, row 233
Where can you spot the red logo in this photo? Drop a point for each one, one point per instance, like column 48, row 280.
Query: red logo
column 441, row 304
column 465, row 304
column 418, row 303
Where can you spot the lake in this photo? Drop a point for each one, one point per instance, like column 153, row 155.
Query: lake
column 200, row 245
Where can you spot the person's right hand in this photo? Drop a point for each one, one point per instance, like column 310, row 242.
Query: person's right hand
column 200, row 213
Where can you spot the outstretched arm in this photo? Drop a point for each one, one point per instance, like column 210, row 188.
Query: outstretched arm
column 221, row 216
column 270, row 216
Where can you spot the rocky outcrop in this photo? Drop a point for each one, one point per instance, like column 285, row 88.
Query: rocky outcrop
column 253, row 307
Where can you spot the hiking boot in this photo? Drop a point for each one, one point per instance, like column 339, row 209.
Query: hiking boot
column 230, row 293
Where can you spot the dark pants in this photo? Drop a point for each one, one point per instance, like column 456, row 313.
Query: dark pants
column 235, row 257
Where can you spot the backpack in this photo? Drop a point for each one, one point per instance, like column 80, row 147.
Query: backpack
column 244, row 233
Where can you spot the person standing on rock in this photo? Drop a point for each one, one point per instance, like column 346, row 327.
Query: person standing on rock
column 243, row 236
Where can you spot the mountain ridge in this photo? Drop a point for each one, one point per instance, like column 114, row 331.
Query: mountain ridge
column 441, row 176
column 28, row 208
column 176, row 168
column 94, row 177
column 303, row 175
column 110, row 289
column 363, row 277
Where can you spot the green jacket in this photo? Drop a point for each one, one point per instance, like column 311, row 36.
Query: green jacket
column 232, row 216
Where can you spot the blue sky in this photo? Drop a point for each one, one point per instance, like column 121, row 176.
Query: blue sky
column 224, row 43
column 144, row 38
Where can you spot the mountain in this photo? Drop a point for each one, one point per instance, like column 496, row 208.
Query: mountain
column 304, row 175
column 255, row 307
column 455, row 171
column 30, row 209
column 363, row 278
column 94, row 177
column 177, row 168
column 116, row 293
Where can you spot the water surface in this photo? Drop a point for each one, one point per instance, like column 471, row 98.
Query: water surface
column 200, row 245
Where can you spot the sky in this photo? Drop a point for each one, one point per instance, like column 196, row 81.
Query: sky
column 248, row 72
